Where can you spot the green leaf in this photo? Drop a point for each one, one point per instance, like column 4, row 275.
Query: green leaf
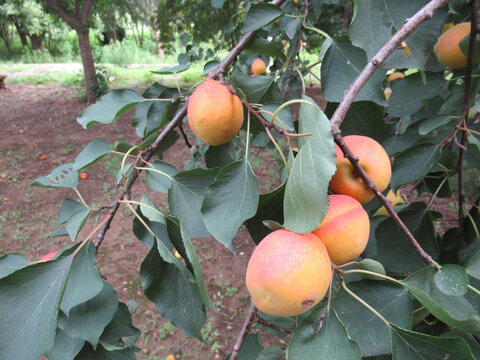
column 455, row 311
column 230, row 200
column 109, row 107
column 259, row 15
column 473, row 268
column 410, row 93
column 322, row 332
column 306, row 199
column 120, row 326
column 377, row 20
column 176, row 297
column 413, row 345
column 159, row 178
column 84, row 281
column 68, row 208
column 414, row 163
column 471, row 341
column 28, row 315
column 218, row 4
column 100, row 353
column 465, row 44
column 220, row 156
column 150, row 210
column 270, row 207
column 393, row 244
column 433, row 123
column 257, row 89
column 88, row 320
column 65, row 347
column 169, row 70
column 370, row 265
column 452, row 280
column 63, row 176
column 209, row 67
column 185, row 198
column 251, row 349
column 284, row 116
column 363, row 118
column 158, row 228
column 292, row 26
column 265, row 47
column 76, row 223
column 93, row 152
column 342, row 63
column 10, row 263
column 371, row 333
column 271, row 353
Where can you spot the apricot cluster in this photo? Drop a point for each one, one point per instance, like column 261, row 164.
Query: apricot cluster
column 289, row 273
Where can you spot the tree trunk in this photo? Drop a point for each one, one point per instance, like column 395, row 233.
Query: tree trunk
column 21, row 32
column 37, row 41
column 88, row 64
column 6, row 40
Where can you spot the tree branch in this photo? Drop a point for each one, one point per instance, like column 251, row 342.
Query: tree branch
column 252, row 312
column 466, row 109
column 410, row 25
column 87, row 7
column 68, row 18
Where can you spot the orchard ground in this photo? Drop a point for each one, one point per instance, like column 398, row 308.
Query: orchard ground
column 39, row 132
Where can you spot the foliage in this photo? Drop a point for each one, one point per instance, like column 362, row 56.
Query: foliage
column 396, row 302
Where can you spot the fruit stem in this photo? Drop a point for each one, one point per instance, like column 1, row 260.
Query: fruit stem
column 288, row 103
column 154, row 170
column 247, row 141
column 285, row 162
column 125, row 157
column 475, row 290
column 299, row 75
column 370, row 273
column 364, row 303
column 142, row 204
column 320, row 32
column 81, row 199
column 436, row 192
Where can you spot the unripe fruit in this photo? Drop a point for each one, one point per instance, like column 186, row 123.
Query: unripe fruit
column 394, row 198
column 448, row 49
column 372, row 158
column 387, row 92
column 258, row 67
column 215, row 115
column 288, row 273
column 345, row 229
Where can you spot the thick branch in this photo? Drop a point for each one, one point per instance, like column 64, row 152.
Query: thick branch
column 252, row 312
column 69, row 19
column 87, row 7
column 466, row 108
column 423, row 14
column 410, row 25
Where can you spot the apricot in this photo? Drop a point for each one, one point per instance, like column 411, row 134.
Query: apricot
column 394, row 199
column 448, row 49
column 372, row 158
column 288, row 273
column 258, row 67
column 345, row 229
column 215, row 115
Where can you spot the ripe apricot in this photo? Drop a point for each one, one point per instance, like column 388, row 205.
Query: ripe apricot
column 83, row 175
column 288, row 273
column 394, row 198
column 215, row 114
column 345, row 229
column 258, row 67
column 372, row 158
column 448, row 49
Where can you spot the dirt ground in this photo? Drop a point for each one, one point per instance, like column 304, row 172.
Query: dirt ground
column 39, row 132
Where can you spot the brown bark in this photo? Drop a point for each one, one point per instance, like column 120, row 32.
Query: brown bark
column 37, row 41
column 21, row 32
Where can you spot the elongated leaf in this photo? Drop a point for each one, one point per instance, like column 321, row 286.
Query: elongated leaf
column 169, row 70
column 159, row 177
column 341, row 65
column 455, row 311
column 408, row 344
column 76, row 223
column 371, row 333
column 10, row 263
column 109, row 107
column 323, row 333
column 65, row 347
column 88, row 320
column 414, row 164
column 306, row 199
column 68, row 208
column 473, row 268
column 28, row 314
column 271, row 353
column 185, row 198
column 176, row 297
column 265, row 47
column 120, row 326
column 259, row 15
column 452, row 280
column 100, row 353
column 84, row 281
column 258, row 89
column 393, row 244
column 93, row 152
column 63, row 176
column 376, row 20
column 150, row 210
column 230, row 200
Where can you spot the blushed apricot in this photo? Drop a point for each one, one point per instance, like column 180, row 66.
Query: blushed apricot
column 258, row 67
column 448, row 49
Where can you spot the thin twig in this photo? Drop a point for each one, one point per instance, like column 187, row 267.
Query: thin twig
column 252, row 312
column 466, row 109
column 271, row 325
column 410, row 25
column 184, row 136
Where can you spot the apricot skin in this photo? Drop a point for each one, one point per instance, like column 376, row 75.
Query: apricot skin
column 448, row 49
column 345, row 229
column 373, row 159
column 288, row 273
column 258, row 67
column 215, row 115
